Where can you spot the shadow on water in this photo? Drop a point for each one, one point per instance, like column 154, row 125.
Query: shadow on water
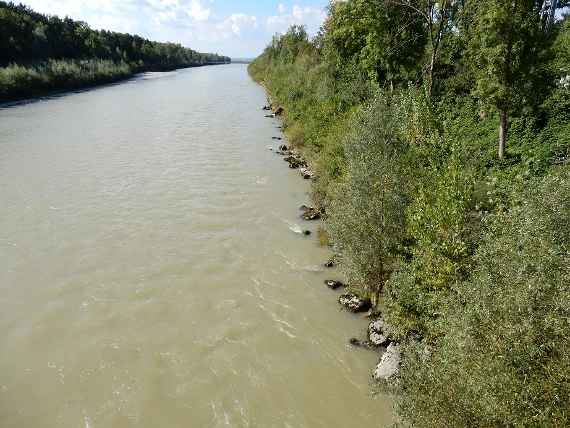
column 139, row 77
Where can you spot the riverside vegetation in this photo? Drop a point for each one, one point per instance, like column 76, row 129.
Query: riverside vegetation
column 440, row 134
column 40, row 53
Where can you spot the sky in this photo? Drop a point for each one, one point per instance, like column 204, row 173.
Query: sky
column 237, row 28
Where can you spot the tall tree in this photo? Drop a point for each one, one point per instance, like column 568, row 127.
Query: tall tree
column 505, row 42
column 438, row 18
column 382, row 40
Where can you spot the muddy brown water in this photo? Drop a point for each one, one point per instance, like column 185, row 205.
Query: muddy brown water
column 152, row 273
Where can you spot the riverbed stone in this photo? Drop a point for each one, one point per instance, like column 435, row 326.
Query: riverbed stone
column 283, row 147
column 295, row 161
column 380, row 333
column 334, row 285
column 354, row 303
column 306, row 173
column 311, row 214
column 389, row 366
column 361, row 343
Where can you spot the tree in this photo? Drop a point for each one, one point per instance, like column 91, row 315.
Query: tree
column 382, row 40
column 366, row 221
column 438, row 17
column 506, row 42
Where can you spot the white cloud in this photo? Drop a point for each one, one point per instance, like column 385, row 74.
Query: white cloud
column 309, row 16
column 194, row 23
column 198, row 11
column 236, row 23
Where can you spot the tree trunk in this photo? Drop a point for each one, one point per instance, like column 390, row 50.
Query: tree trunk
column 503, row 129
column 431, row 67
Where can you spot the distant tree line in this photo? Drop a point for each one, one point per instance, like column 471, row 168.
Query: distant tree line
column 41, row 53
column 27, row 36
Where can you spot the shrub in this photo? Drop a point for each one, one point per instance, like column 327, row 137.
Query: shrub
column 506, row 358
column 367, row 219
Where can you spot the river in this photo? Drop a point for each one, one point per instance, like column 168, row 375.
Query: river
column 151, row 269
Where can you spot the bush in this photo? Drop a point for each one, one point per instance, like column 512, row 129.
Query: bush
column 18, row 81
column 367, row 219
column 506, row 358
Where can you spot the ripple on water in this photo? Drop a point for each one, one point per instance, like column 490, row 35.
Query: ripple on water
column 147, row 254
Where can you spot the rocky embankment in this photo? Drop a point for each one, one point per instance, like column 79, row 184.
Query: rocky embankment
column 380, row 337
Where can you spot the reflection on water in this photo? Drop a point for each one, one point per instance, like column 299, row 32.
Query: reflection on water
column 151, row 273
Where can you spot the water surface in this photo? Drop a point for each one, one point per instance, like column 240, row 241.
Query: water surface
column 151, row 273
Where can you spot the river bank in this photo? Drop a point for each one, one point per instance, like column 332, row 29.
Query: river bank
column 433, row 221
column 380, row 337
column 20, row 82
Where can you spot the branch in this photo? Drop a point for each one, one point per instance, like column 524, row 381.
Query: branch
column 406, row 4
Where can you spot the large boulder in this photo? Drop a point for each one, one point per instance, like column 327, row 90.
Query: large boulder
column 389, row 366
column 354, row 303
column 380, row 333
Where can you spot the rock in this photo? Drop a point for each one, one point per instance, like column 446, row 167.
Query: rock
column 276, row 138
column 278, row 111
column 380, row 333
column 306, row 232
column 307, row 174
column 330, row 263
column 333, row 285
column 389, row 365
column 354, row 303
column 270, row 115
column 360, row 344
column 283, row 148
column 311, row 214
column 295, row 162
column 267, row 108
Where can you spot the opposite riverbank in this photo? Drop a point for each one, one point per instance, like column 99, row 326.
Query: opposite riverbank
column 458, row 241
column 19, row 82
column 40, row 54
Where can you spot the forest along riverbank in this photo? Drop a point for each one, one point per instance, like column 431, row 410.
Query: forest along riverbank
column 380, row 335
column 44, row 54
column 172, row 284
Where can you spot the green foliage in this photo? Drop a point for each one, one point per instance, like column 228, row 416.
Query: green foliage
column 21, row 81
column 385, row 41
column 366, row 218
column 407, row 172
column 505, row 360
column 27, row 36
column 70, row 54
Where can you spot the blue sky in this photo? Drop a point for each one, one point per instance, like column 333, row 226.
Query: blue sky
column 238, row 28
